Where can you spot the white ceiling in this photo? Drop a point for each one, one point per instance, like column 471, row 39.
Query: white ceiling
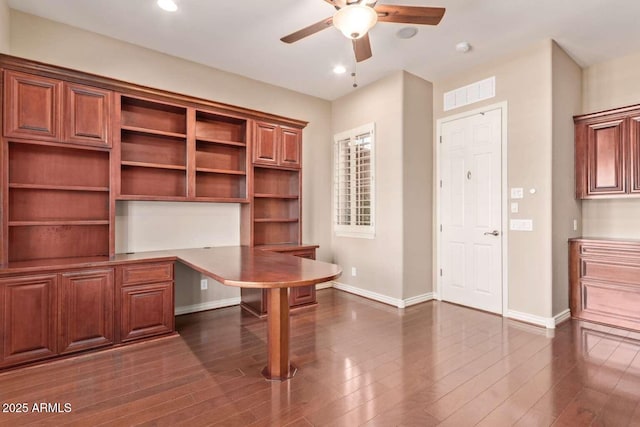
column 242, row 36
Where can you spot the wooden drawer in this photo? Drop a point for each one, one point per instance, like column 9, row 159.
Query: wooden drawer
column 147, row 273
column 610, row 271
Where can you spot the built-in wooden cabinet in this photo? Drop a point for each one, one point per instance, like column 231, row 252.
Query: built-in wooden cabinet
column 86, row 310
column 607, row 154
column 277, row 145
column 146, row 300
column 29, row 313
column 87, row 115
column 32, row 106
column 604, row 278
column 175, row 152
column 71, row 145
column 58, row 202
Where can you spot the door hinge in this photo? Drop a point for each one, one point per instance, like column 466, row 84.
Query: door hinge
column 440, row 227
column 440, row 183
column 440, row 272
column 440, row 139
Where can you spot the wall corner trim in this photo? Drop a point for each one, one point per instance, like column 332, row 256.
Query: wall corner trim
column 396, row 302
column 209, row 305
column 546, row 322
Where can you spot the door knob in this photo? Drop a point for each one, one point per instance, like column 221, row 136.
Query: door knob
column 492, row 233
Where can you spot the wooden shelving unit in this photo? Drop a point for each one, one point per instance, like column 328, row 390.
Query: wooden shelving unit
column 153, row 149
column 58, row 202
column 220, row 157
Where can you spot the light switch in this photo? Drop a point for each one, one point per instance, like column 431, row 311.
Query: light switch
column 515, row 207
column 517, row 193
column 521, row 225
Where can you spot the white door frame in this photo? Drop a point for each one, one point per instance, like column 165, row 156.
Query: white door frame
column 505, row 199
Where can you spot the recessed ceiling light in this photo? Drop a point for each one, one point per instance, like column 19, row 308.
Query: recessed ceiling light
column 339, row 69
column 168, row 5
column 406, row 32
column 463, row 47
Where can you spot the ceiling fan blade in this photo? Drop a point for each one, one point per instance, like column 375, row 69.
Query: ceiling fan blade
column 362, row 48
column 307, row 31
column 410, row 14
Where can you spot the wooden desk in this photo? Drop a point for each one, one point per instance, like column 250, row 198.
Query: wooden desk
column 252, row 268
column 239, row 266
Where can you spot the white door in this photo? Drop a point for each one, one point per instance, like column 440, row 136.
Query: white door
column 470, row 211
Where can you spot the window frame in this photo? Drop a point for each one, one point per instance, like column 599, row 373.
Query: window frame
column 352, row 229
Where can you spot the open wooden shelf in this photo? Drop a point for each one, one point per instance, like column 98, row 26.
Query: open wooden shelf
column 44, row 204
column 275, row 196
column 54, row 222
column 220, row 128
column 275, row 219
column 155, row 132
column 221, row 141
column 137, row 147
column 153, row 165
column 221, row 186
column 276, row 181
column 152, row 116
column 57, row 187
column 147, row 181
column 272, row 233
column 223, row 171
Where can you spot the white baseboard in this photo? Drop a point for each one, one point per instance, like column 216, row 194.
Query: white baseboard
column 562, row 316
column 209, row 305
column 547, row 322
column 383, row 298
column 325, row 285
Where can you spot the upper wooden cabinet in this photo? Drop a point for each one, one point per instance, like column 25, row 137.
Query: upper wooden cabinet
column 87, row 114
column 31, row 106
column 608, row 154
column 42, row 108
column 277, row 145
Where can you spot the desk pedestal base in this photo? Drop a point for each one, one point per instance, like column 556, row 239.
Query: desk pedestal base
column 278, row 366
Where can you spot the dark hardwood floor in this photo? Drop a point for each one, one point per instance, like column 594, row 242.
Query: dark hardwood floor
column 360, row 363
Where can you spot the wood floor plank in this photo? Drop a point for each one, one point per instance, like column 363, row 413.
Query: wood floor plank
column 360, row 363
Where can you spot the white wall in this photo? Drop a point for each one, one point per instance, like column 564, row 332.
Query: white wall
column 607, row 85
column 417, row 186
column 5, row 27
column 567, row 100
column 378, row 261
column 141, row 225
column 523, row 80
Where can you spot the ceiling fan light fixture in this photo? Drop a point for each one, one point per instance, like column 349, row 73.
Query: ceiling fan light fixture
column 168, row 5
column 355, row 20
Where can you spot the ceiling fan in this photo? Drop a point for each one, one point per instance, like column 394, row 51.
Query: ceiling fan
column 356, row 17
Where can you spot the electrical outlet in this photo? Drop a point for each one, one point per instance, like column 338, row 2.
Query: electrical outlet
column 204, row 284
column 353, row 272
column 575, row 225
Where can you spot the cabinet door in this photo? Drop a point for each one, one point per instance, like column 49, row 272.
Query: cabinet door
column 291, row 145
column 86, row 310
column 87, row 115
column 146, row 310
column 31, row 106
column 265, row 147
column 634, row 153
column 28, row 318
column 606, row 156
column 303, row 295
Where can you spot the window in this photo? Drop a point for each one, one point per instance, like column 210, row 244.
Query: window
column 353, row 182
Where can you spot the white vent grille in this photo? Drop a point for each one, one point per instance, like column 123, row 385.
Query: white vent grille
column 475, row 92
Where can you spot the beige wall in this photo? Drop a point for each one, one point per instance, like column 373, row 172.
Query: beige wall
column 36, row 38
column 524, row 82
column 5, row 27
column 378, row 261
column 611, row 84
column 567, row 101
column 417, row 188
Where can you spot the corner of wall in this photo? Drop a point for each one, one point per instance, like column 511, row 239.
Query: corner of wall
column 5, row 27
